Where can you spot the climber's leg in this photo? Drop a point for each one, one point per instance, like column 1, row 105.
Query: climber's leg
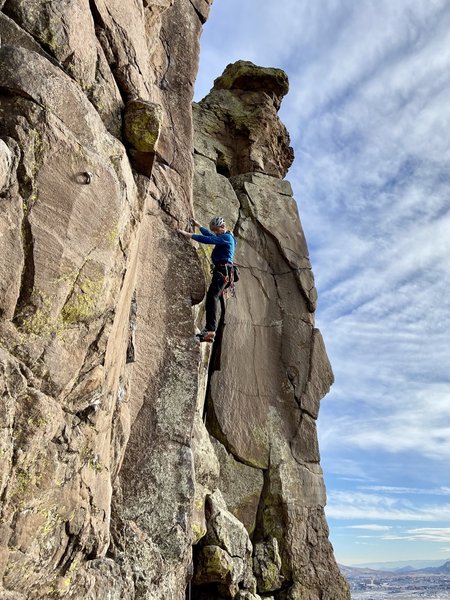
column 217, row 284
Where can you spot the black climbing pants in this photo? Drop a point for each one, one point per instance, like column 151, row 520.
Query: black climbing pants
column 214, row 294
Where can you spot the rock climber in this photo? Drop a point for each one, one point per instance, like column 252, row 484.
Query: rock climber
column 222, row 257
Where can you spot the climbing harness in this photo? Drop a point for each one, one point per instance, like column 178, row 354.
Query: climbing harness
column 231, row 277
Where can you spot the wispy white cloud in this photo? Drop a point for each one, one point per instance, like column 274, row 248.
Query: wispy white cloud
column 440, row 491
column 349, row 469
column 374, row 192
column 371, row 527
column 394, row 421
column 426, row 534
column 358, row 505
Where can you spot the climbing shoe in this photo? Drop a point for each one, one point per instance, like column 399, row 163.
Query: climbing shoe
column 206, row 336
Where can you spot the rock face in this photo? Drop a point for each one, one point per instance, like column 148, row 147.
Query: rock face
column 112, row 487
column 98, row 390
column 239, row 129
column 261, row 406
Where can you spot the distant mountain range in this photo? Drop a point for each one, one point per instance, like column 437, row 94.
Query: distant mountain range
column 399, row 564
column 393, row 568
column 445, row 568
column 358, row 571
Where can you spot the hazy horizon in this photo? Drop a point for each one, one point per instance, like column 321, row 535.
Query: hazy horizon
column 404, row 563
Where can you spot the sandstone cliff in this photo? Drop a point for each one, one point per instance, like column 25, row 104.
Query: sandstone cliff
column 129, row 469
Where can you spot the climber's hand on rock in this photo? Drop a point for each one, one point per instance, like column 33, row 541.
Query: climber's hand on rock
column 196, row 223
column 185, row 233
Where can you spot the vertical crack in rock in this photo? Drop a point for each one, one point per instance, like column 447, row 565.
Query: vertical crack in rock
column 202, row 15
column 27, row 281
column 163, row 83
column 27, row 194
column 131, row 351
column 269, row 576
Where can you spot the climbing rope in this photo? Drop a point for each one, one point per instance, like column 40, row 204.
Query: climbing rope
column 293, row 270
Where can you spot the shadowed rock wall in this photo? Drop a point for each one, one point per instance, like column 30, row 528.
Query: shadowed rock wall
column 108, row 474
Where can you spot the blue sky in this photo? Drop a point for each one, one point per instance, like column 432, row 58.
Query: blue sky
column 369, row 118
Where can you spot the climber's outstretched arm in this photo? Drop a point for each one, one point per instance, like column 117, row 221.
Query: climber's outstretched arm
column 186, row 234
column 205, row 231
column 217, row 240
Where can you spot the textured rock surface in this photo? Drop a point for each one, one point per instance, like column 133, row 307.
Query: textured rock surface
column 241, row 486
column 262, row 404
column 267, row 565
column 113, row 465
column 223, row 558
column 75, row 410
column 237, row 125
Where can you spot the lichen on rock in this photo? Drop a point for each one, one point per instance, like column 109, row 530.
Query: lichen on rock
column 248, row 77
column 236, row 124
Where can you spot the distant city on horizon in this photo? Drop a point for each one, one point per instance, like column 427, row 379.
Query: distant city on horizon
column 405, row 582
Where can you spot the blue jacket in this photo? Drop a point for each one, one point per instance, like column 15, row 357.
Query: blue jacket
column 225, row 244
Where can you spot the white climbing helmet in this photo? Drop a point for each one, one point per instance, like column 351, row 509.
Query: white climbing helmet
column 216, row 222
